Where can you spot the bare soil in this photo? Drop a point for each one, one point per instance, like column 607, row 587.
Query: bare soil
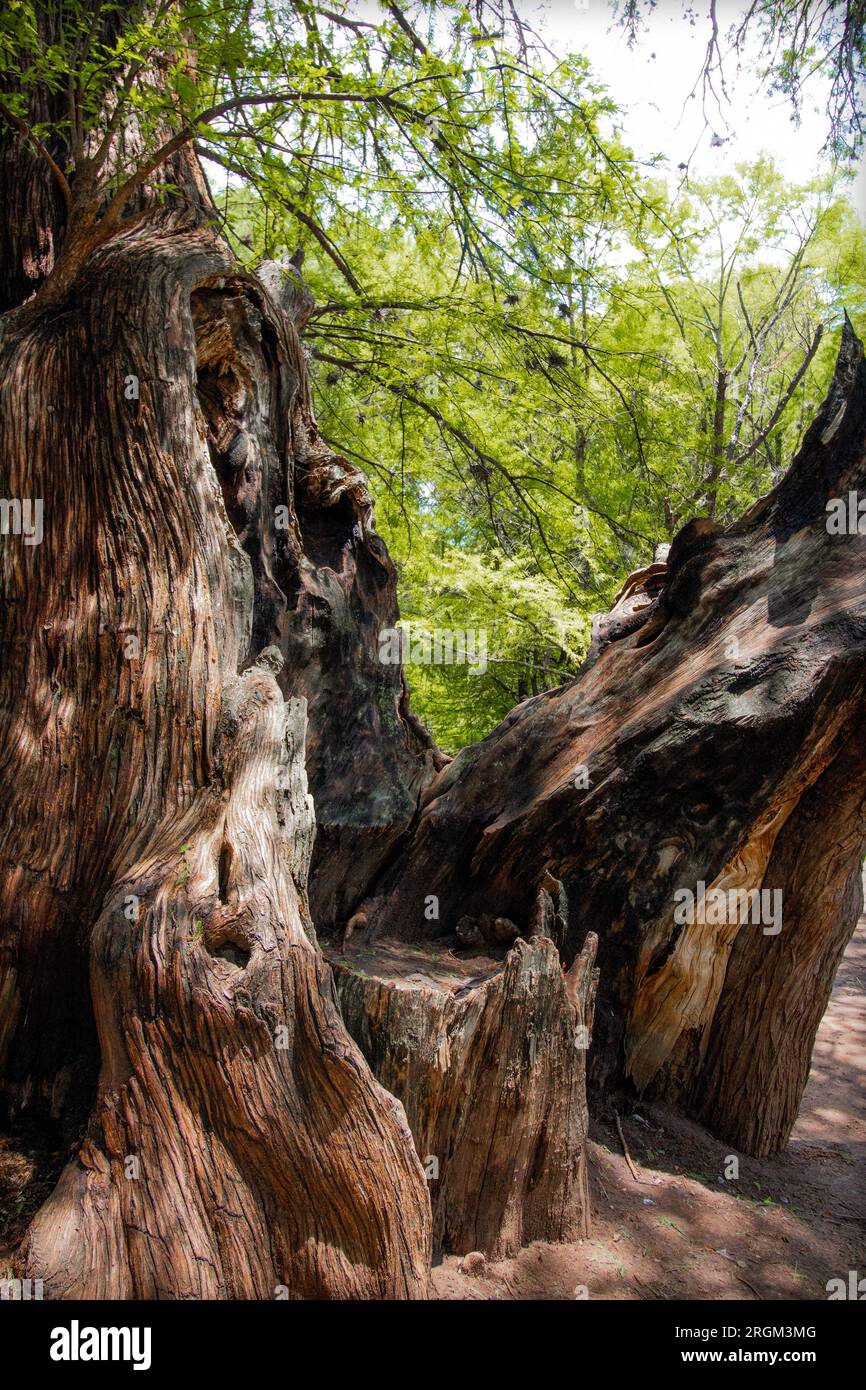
column 685, row 1230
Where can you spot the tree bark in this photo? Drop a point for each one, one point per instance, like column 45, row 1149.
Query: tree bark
column 209, row 579
column 486, row 1050
column 776, row 991
column 720, row 697
column 161, row 982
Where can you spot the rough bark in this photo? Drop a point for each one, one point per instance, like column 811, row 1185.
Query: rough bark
column 160, row 978
column 486, row 1049
column 776, row 991
column 210, row 576
column 367, row 755
column 724, row 684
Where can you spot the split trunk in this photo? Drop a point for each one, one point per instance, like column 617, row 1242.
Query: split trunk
column 192, row 651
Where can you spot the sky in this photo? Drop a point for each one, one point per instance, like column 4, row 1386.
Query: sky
column 652, row 82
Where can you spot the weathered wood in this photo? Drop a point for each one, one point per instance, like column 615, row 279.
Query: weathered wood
column 487, row 1053
column 161, row 982
column 209, row 571
column 776, row 991
column 723, row 685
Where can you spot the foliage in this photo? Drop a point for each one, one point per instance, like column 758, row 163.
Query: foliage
column 528, row 449
column 545, row 358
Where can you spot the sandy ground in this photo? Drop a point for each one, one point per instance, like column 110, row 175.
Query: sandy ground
column 780, row 1231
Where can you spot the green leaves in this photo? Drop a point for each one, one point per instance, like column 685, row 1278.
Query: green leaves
column 544, row 361
column 531, row 436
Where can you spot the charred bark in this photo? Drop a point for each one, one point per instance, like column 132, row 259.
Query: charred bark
column 209, row 579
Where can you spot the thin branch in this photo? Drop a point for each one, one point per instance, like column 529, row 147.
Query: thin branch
column 783, row 401
column 25, row 130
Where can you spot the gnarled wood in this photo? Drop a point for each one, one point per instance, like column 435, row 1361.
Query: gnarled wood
column 210, row 577
column 486, row 1050
column 161, row 978
column 775, row 991
column 722, row 687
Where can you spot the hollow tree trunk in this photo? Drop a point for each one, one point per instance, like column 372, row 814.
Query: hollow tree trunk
column 711, row 729
column 209, row 577
column 208, row 567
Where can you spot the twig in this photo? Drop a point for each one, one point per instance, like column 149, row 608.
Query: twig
column 628, row 1158
column 603, row 1188
column 650, row 1290
column 759, row 1296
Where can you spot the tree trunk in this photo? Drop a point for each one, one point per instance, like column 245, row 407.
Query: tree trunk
column 486, row 1050
column 712, row 724
column 161, row 982
column 210, row 578
column 776, row 989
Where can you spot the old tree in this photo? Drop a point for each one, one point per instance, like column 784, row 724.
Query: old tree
column 222, row 827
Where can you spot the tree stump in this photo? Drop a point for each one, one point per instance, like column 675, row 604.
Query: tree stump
column 486, row 1050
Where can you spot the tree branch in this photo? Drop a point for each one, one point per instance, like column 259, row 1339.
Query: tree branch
column 783, row 400
column 24, row 129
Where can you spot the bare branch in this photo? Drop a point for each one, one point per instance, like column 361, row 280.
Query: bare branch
column 783, row 401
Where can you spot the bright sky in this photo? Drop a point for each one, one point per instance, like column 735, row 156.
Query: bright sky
column 653, row 80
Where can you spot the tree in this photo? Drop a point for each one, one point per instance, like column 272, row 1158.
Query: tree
column 797, row 40
column 749, row 281
column 204, row 609
column 680, row 337
column 709, row 748
column 166, row 998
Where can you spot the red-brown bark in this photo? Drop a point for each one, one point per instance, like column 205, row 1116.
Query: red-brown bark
column 235, row 1141
column 194, row 638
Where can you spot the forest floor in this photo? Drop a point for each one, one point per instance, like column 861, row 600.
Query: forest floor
column 780, row 1231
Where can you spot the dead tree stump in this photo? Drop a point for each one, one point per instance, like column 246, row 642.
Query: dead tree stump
column 487, row 1052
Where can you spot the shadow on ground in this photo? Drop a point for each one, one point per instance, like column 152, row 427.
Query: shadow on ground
column 780, row 1230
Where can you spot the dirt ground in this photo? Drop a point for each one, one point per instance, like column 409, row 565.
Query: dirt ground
column 780, row 1231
